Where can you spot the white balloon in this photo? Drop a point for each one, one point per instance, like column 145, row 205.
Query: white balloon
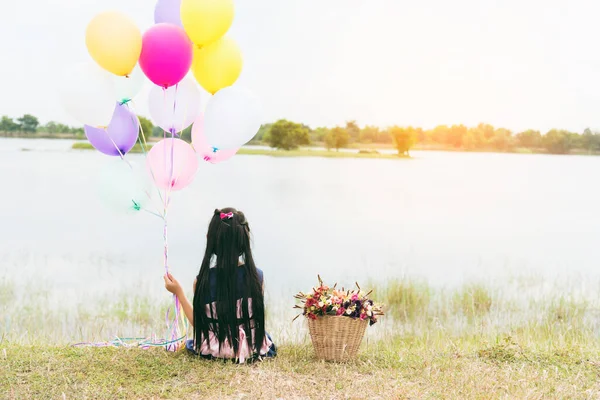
column 127, row 87
column 177, row 107
column 87, row 92
column 124, row 187
column 233, row 117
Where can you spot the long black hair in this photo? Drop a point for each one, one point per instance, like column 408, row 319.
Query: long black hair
column 228, row 239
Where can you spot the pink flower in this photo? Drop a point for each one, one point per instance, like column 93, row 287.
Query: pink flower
column 341, row 311
column 354, row 297
column 363, row 317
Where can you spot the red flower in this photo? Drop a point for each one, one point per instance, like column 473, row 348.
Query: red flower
column 340, row 311
column 312, row 316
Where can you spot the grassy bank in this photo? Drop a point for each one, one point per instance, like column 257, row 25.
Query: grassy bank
column 276, row 153
column 395, row 369
column 87, row 146
column 42, row 135
column 316, row 153
column 367, row 151
column 520, row 338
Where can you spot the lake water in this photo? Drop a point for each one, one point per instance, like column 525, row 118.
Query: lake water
column 445, row 217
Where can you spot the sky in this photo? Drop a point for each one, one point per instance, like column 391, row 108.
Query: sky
column 518, row 64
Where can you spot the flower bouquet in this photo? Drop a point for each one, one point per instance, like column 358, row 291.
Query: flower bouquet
column 337, row 319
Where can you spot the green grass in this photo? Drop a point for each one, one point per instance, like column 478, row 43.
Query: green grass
column 405, row 299
column 474, row 341
column 397, row 368
column 473, row 299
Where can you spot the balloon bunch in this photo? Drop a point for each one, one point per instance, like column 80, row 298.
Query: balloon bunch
column 189, row 35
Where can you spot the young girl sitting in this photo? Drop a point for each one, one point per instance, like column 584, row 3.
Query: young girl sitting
column 228, row 312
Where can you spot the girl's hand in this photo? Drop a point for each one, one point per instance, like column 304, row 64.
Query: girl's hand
column 172, row 285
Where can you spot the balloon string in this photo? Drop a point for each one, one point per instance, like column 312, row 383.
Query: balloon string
column 143, row 145
column 174, row 326
column 122, row 156
column 143, row 343
column 151, row 212
column 118, row 149
column 175, row 340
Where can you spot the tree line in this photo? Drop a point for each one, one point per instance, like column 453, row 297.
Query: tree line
column 29, row 124
column 289, row 135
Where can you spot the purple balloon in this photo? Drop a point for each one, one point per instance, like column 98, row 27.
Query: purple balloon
column 168, row 11
column 120, row 135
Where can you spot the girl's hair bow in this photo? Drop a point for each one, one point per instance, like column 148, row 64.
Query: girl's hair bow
column 226, row 215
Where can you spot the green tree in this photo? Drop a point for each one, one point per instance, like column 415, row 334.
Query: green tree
column 287, row 135
column 576, row 140
column 262, row 133
column 28, row 123
column 8, row 125
column 590, row 141
column 353, row 130
column 318, row 135
column 529, row 139
column 147, row 126
column 404, row 139
column 337, row 138
column 157, row 131
column 557, row 141
column 502, row 140
column 55, row 128
column 369, row 134
column 186, row 134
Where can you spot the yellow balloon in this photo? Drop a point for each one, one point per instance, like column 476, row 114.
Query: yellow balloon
column 114, row 42
column 217, row 65
column 205, row 21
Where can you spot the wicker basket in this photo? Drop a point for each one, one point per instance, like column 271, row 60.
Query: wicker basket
column 336, row 338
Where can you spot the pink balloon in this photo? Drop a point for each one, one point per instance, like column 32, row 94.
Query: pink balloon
column 172, row 164
column 204, row 149
column 166, row 54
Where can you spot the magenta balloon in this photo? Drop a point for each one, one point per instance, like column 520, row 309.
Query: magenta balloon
column 168, row 11
column 204, row 149
column 166, row 54
column 120, row 135
column 172, row 164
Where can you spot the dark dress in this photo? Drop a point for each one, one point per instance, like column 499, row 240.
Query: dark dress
column 211, row 298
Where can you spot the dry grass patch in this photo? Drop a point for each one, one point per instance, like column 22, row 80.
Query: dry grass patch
column 387, row 370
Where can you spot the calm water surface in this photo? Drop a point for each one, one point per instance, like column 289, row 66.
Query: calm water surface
column 445, row 217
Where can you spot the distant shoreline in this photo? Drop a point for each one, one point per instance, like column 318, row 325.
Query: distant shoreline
column 277, row 153
column 306, row 151
column 57, row 136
